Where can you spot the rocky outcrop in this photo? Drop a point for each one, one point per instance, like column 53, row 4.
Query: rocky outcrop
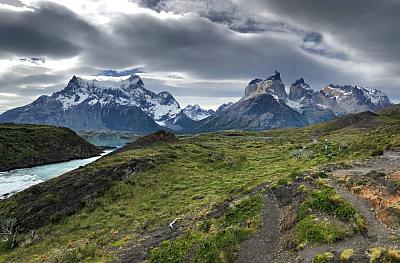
column 272, row 85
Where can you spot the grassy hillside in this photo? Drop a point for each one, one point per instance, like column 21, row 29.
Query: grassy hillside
column 207, row 187
column 30, row 145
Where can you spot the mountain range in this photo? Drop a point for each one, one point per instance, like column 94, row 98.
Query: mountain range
column 128, row 106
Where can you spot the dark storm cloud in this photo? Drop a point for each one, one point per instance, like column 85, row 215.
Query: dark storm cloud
column 371, row 27
column 207, row 44
column 152, row 4
column 241, row 17
column 51, row 30
column 313, row 43
column 198, row 46
column 225, row 12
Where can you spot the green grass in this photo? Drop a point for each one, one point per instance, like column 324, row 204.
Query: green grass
column 187, row 179
column 327, row 200
column 320, row 230
column 215, row 241
column 324, row 217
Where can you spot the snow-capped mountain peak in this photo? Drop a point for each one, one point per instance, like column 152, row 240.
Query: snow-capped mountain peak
column 127, row 92
column 195, row 112
column 356, row 99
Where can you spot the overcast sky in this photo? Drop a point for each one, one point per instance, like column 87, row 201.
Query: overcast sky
column 202, row 51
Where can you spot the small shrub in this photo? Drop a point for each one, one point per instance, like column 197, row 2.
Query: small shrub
column 214, row 246
column 347, row 254
column 79, row 254
column 312, row 229
column 360, row 223
column 377, row 152
column 222, row 247
column 327, row 200
column 173, row 251
column 375, row 254
column 323, row 257
column 321, row 174
column 205, row 226
column 381, row 254
column 8, row 234
column 283, row 182
column 6, row 246
column 393, row 255
column 247, row 208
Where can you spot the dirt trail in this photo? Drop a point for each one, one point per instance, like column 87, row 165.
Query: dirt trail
column 266, row 246
column 377, row 234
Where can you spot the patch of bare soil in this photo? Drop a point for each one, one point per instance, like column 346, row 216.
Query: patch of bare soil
column 266, row 246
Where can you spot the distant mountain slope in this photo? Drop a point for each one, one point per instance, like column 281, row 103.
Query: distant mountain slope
column 259, row 112
column 181, row 123
column 100, row 105
column 24, row 146
column 266, row 105
column 195, row 112
column 224, row 106
column 354, row 99
column 127, row 106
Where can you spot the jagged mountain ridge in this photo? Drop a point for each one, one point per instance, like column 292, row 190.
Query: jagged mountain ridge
column 100, row 105
column 266, row 105
column 130, row 92
column 224, row 106
column 127, row 106
column 195, row 112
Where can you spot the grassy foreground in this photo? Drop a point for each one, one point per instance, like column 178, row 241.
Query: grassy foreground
column 185, row 181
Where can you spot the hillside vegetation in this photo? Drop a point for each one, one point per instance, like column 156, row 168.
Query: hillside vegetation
column 24, row 146
column 195, row 198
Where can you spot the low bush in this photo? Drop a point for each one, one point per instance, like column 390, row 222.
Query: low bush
column 327, row 200
column 315, row 230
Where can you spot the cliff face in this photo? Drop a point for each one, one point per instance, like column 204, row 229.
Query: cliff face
column 23, row 146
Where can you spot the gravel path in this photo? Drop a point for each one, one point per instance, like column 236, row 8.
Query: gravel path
column 266, row 246
column 376, row 236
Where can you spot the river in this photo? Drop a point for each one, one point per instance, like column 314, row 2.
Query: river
column 17, row 180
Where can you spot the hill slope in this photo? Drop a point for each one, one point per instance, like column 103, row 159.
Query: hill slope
column 197, row 198
column 24, row 146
